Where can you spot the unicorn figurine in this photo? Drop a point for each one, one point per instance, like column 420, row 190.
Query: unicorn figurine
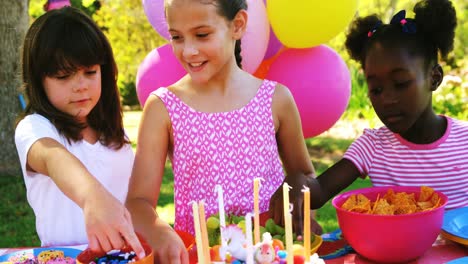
column 235, row 242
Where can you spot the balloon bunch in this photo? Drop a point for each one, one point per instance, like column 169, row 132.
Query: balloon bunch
column 283, row 42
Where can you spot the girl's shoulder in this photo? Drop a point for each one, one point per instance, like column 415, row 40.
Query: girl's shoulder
column 376, row 134
column 458, row 126
column 35, row 121
column 457, row 122
column 34, row 127
column 281, row 93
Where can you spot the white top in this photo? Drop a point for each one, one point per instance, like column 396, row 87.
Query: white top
column 59, row 221
column 389, row 160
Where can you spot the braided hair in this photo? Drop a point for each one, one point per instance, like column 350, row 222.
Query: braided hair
column 429, row 34
column 229, row 9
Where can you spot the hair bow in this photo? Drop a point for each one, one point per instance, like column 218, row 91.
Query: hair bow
column 372, row 31
column 407, row 25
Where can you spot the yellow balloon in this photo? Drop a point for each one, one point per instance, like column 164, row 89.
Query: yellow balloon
column 308, row 23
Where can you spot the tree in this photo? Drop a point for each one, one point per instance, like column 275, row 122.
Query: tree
column 13, row 25
column 132, row 37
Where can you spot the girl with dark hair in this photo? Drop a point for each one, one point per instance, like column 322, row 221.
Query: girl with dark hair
column 416, row 146
column 219, row 125
column 75, row 156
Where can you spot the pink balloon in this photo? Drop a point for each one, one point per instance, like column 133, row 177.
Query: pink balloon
column 254, row 42
column 160, row 68
column 320, row 83
column 154, row 10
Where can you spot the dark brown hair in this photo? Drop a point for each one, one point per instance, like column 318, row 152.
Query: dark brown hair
column 434, row 31
column 229, row 9
column 64, row 40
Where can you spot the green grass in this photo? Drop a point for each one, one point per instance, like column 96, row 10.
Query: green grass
column 17, row 221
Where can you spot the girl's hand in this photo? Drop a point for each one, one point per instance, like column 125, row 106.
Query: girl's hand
column 315, row 227
column 296, row 198
column 109, row 224
column 168, row 247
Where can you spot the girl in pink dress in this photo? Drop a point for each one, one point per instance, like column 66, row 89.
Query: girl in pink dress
column 219, row 125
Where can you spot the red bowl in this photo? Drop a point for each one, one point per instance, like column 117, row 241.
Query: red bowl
column 389, row 238
column 88, row 255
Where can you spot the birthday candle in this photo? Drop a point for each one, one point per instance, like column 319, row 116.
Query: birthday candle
column 204, row 232
column 288, row 224
column 198, row 235
column 222, row 219
column 306, row 191
column 256, row 211
column 248, row 234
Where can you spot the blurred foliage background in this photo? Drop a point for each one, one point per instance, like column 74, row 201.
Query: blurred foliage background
column 132, row 38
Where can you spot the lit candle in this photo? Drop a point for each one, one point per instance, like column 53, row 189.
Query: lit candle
column 198, row 235
column 256, row 211
column 288, row 224
column 248, row 235
column 204, row 232
column 306, row 191
column 222, row 219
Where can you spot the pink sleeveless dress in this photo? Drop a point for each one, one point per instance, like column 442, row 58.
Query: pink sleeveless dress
column 226, row 148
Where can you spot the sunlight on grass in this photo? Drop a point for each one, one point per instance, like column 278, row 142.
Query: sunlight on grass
column 167, row 213
column 165, row 206
column 131, row 122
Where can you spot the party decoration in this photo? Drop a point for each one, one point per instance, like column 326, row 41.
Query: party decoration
column 198, row 232
column 154, row 10
column 274, row 45
column 256, row 210
column 222, row 214
column 254, row 43
column 306, row 23
column 320, row 83
column 306, row 229
column 56, row 4
column 160, row 68
column 288, row 223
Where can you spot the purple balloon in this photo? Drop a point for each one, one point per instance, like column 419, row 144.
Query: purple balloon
column 274, row 45
column 154, row 10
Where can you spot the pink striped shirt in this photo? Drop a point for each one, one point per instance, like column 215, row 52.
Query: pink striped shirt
column 388, row 159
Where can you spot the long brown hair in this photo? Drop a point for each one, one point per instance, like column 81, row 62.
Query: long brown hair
column 64, row 40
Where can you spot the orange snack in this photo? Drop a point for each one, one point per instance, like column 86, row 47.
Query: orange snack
column 394, row 203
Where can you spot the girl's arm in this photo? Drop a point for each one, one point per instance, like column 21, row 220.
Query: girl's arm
column 148, row 170
column 297, row 164
column 107, row 221
column 293, row 153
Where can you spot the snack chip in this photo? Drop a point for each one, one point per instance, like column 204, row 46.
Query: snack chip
column 394, row 203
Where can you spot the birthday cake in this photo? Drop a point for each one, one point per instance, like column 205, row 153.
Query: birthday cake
column 230, row 244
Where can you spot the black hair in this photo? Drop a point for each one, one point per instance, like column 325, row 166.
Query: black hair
column 63, row 41
column 434, row 31
column 229, row 9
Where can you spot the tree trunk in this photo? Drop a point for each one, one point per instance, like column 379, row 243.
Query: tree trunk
column 13, row 25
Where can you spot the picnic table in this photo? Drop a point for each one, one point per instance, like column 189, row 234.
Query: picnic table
column 442, row 251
